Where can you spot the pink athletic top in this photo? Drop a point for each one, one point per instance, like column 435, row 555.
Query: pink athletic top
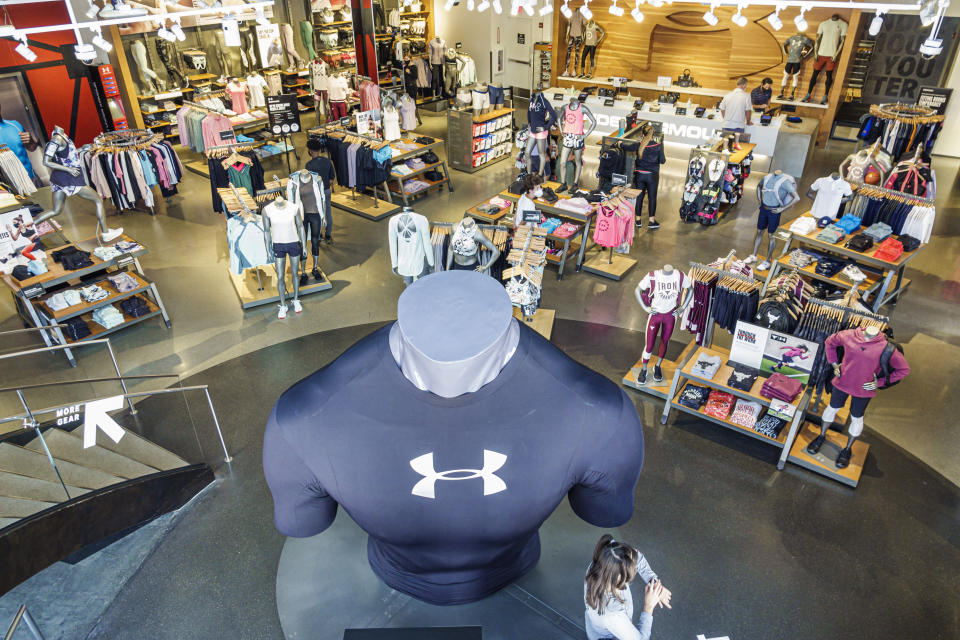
column 238, row 96
column 573, row 120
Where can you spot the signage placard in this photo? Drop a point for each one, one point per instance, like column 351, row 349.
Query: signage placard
column 558, row 96
column 124, row 260
column 284, row 113
column 227, row 136
column 619, row 179
column 608, row 102
column 664, row 81
column 31, row 292
column 521, row 38
column 532, row 216
column 345, row 121
column 773, row 352
column 935, row 98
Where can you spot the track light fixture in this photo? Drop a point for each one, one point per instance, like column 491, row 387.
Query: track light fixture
column 800, row 21
column 566, row 11
column 615, row 10
column 470, row 5
column 449, row 4
column 262, row 18
column 98, row 40
column 483, row 6
column 774, row 19
column 636, row 14
column 585, row 10
column 710, row 17
column 876, row 24
column 177, row 30
column 528, row 7
column 656, row 3
column 92, row 10
column 547, row 8
column 738, row 18
column 497, row 7
column 165, row 33
column 24, row 49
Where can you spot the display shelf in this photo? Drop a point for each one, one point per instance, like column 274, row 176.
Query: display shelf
column 365, row 206
column 460, row 125
column 257, row 286
column 165, row 95
column 415, row 172
column 824, row 461
column 433, row 184
column 395, row 184
column 778, row 442
column 739, row 155
column 83, row 307
column 302, row 83
column 493, row 115
column 99, row 331
column 486, row 218
column 335, row 23
column 867, row 285
column 667, row 366
column 413, row 13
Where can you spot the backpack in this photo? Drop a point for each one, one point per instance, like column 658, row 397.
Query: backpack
column 885, row 369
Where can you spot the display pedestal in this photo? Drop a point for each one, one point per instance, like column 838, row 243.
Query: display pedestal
column 247, row 285
column 669, row 367
column 199, row 167
column 601, row 264
column 824, row 462
column 542, row 321
column 365, row 206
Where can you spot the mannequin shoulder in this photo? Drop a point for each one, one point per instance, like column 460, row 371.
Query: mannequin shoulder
column 587, row 385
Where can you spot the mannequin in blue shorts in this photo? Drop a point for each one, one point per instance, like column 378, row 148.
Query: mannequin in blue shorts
column 776, row 193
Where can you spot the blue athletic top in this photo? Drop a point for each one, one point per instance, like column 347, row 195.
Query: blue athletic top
column 451, row 491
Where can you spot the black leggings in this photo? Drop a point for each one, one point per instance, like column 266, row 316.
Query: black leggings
column 646, row 181
column 858, row 406
column 588, row 50
column 827, row 83
column 313, row 223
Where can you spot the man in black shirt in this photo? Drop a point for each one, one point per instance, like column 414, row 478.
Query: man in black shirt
column 321, row 166
column 760, row 97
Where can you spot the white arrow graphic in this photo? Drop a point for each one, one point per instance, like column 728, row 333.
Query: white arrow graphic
column 95, row 415
column 703, row 637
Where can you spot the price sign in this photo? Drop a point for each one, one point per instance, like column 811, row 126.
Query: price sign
column 32, row 291
column 582, row 97
column 619, row 179
column 284, row 113
column 227, row 136
column 664, row 81
column 345, row 122
column 558, row 96
column 608, row 102
column 531, row 216
column 124, row 260
column 935, row 98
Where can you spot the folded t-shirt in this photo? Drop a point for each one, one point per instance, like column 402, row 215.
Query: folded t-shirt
column 706, row 366
column 694, row 396
column 742, row 377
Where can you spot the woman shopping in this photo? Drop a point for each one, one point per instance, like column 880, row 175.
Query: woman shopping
column 607, row 596
column 532, row 190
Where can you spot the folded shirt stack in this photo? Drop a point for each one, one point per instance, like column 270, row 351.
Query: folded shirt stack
column 829, row 267
column 63, row 300
column 127, row 247
column 108, row 316
column 135, row 306
column 93, row 293
column 889, row 250
column 849, row 223
column 402, row 170
column 742, row 377
column 878, row 231
column 909, row 242
column 745, row 413
column 770, row 426
column 719, row 404
column 123, row 282
column 694, row 396
column 859, row 243
column 566, row 230
column 800, row 259
column 706, row 366
column 75, row 329
column 551, row 224
column 831, row 233
column 106, row 253
column 413, row 186
column 498, row 201
column 416, row 164
column 803, row 225
column 576, row 205
column 781, row 387
column 72, row 258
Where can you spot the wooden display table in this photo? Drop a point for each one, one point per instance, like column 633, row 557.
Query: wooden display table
column 406, row 154
column 668, row 367
column 876, row 284
column 824, row 461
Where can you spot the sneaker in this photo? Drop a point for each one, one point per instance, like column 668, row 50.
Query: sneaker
column 653, row 224
column 111, row 234
column 297, row 307
column 843, row 458
column 750, row 259
column 764, row 266
column 814, row 447
column 561, row 188
column 316, row 274
column 642, row 377
column 329, row 239
column 283, row 312
column 806, row 98
column 657, row 373
column 781, row 97
column 639, row 222
column 824, row 101
column 303, row 280
column 853, row 273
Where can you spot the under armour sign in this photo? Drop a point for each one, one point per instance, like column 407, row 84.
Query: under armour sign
column 492, row 461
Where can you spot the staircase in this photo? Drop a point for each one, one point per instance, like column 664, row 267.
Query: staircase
column 111, row 487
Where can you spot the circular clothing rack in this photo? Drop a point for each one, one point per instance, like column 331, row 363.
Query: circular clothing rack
column 908, row 113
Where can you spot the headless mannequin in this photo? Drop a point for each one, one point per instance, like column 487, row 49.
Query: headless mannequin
column 293, row 58
column 167, row 52
column 686, row 298
column 805, row 53
column 835, row 176
column 469, row 228
column 280, row 262
column 452, row 363
column 221, row 51
column 149, row 81
column 251, row 43
column 574, row 41
column 304, row 178
column 406, row 228
column 577, row 152
column 437, row 80
column 591, row 49
column 828, row 72
column 451, row 70
column 60, row 139
column 540, row 143
column 793, row 199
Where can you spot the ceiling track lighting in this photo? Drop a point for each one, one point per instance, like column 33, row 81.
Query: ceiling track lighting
column 449, row 4
column 636, row 14
column 497, row 7
column 774, row 19
column 933, row 45
column 800, row 21
column 738, row 18
column 566, row 11
column 470, row 5
column 24, row 49
column 547, row 8
column 99, row 41
column 483, row 6
column 876, row 24
column 528, row 8
column 656, row 3
column 615, row 10
column 710, row 17
column 585, row 10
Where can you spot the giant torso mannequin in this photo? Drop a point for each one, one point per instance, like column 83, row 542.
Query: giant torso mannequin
column 523, row 423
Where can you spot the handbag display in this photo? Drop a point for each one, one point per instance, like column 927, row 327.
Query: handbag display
column 869, row 166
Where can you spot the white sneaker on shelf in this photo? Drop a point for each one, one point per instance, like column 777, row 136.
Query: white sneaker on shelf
column 764, row 266
column 111, row 234
column 283, row 312
column 750, row 259
column 297, row 307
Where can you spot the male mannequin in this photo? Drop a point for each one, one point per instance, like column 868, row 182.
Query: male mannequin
column 435, row 50
column 283, row 235
column 220, row 46
column 455, row 357
column 306, row 190
column 541, row 116
column 66, row 179
column 319, row 72
column 451, row 72
column 829, row 192
column 571, row 126
column 574, row 40
column 593, row 35
column 410, row 250
column 256, row 84
column 150, row 82
column 797, row 47
column 857, row 376
column 465, row 243
column 663, row 294
column 831, row 35
column 776, row 192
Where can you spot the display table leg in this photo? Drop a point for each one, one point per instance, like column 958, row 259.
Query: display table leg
column 563, row 258
column 668, row 403
column 583, row 243
column 386, row 191
column 887, row 279
column 403, row 194
column 798, row 420
column 446, row 172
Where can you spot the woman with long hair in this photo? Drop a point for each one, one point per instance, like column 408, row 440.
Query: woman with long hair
column 607, row 596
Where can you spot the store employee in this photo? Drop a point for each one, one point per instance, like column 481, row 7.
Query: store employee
column 18, row 141
column 735, row 108
column 760, row 97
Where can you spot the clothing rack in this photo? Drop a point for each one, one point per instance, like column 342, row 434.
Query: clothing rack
column 337, row 131
column 128, row 138
column 873, row 191
column 200, row 107
column 744, row 283
column 906, row 113
column 221, row 150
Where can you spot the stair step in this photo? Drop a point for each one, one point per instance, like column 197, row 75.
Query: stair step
column 21, row 508
column 66, row 446
column 14, row 485
column 35, row 464
column 142, row 450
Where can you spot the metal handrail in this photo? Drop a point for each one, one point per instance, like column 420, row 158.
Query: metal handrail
column 89, row 380
column 24, row 616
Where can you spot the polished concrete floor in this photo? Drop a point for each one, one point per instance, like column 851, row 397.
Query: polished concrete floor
column 248, row 357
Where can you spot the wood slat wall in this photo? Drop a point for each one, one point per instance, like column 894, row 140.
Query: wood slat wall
column 675, row 37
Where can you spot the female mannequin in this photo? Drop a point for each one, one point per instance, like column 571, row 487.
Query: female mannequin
column 542, row 117
column 391, row 121
column 149, row 81
column 571, row 120
column 465, row 243
column 663, row 294
column 221, row 50
column 167, row 52
column 237, row 91
column 274, row 53
column 305, row 189
column 66, row 180
column 410, row 248
column 283, row 235
column 593, row 35
column 293, row 58
column 255, row 85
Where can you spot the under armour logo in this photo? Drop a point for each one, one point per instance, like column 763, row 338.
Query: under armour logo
column 492, row 461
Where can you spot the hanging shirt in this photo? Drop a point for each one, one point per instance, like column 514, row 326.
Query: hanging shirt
column 795, row 46
column 238, row 97
column 10, row 131
column 408, row 113
column 337, row 88
column 391, row 124
column 66, row 155
column 576, row 25
column 256, row 84
column 446, row 542
column 830, row 194
column 410, row 249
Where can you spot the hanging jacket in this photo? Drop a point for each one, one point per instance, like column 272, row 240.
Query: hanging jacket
column 294, row 184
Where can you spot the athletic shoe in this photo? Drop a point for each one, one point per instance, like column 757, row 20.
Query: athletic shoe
column 297, row 307
column 657, row 373
column 653, row 224
column 329, row 239
column 111, row 234
column 750, row 259
column 283, row 312
column 561, row 188
column 316, row 274
column 824, row 101
column 843, row 458
column 303, row 280
column 642, row 377
column 639, row 222
column 806, row 98
column 814, row 446
column 764, row 266
column 781, row 97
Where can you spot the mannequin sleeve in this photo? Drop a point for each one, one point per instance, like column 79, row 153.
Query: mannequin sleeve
column 610, row 462
column 830, row 348
column 301, row 507
column 900, row 369
column 663, row 156
column 423, row 227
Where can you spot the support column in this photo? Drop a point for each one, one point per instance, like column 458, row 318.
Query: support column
column 364, row 38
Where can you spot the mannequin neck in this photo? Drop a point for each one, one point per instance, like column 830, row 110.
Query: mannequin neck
column 454, row 333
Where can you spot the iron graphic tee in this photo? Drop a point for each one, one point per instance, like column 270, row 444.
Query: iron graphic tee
column 452, row 491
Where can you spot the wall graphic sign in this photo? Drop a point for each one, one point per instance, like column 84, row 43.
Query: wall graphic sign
column 95, row 417
column 284, row 113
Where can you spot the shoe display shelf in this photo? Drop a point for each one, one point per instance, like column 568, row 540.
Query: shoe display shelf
column 466, row 128
column 31, row 295
column 885, row 280
column 397, row 179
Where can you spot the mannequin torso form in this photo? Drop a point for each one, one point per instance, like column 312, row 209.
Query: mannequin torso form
column 451, row 363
